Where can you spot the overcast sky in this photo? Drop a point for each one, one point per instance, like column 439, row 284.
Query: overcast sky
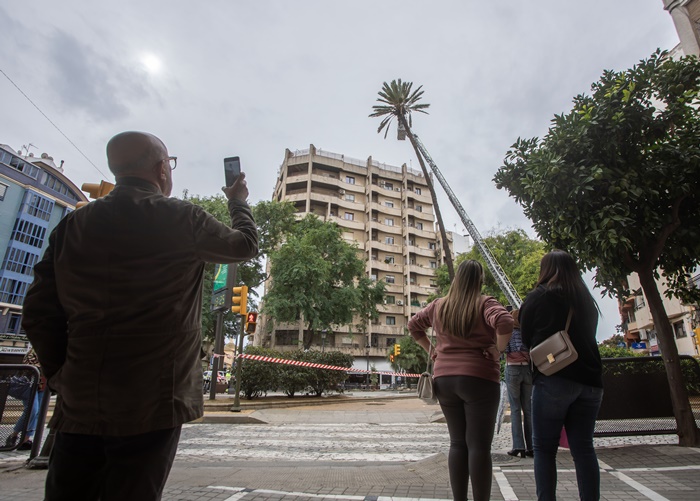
column 251, row 78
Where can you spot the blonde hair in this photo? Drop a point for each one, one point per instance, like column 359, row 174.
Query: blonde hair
column 461, row 307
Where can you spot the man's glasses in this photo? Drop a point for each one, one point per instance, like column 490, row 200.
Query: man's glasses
column 172, row 162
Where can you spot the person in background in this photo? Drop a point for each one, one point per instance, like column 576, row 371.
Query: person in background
column 114, row 314
column 572, row 396
column 471, row 330
column 519, row 382
column 31, row 406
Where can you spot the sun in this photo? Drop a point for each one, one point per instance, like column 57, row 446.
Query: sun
column 151, row 63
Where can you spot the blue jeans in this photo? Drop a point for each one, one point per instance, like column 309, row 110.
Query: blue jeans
column 30, row 411
column 558, row 402
column 519, row 382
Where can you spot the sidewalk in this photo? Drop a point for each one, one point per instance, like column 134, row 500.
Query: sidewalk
column 632, row 468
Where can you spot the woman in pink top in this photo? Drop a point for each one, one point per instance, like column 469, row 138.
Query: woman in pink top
column 471, row 330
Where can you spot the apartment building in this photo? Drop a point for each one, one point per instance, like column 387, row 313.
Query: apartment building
column 686, row 18
column 638, row 327
column 388, row 212
column 35, row 194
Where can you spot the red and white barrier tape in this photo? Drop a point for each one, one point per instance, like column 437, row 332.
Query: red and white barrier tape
column 312, row 365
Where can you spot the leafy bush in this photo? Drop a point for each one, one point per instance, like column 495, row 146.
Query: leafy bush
column 257, row 378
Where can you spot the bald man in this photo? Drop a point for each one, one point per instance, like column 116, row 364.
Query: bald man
column 114, row 314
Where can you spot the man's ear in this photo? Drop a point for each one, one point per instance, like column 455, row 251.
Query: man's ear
column 160, row 170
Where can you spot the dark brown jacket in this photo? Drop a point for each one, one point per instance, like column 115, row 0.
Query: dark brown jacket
column 114, row 311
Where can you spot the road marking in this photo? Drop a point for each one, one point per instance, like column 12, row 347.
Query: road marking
column 663, row 468
column 506, row 490
column 655, row 496
column 241, row 492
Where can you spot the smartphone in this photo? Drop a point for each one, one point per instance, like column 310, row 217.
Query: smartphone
column 232, row 169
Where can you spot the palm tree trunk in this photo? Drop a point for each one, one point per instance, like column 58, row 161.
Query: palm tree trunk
column 688, row 433
column 443, row 234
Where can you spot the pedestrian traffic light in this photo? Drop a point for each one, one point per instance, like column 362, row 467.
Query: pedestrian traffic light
column 240, row 300
column 95, row 191
column 251, row 322
column 397, row 350
column 391, row 358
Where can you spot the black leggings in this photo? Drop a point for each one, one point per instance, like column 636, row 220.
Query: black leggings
column 470, row 405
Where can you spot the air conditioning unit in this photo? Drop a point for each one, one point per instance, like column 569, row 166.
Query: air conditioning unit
column 424, row 304
column 397, row 189
column 399, row 302
column 341, row 191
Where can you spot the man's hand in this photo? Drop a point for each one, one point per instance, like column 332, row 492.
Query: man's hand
column 237, row 191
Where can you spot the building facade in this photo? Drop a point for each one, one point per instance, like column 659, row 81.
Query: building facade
column 686, row 18
column 638, row 325
column 34, row 196
column 388, row 212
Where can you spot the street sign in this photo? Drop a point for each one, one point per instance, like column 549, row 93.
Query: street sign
column 639, row 346
column 220, row 275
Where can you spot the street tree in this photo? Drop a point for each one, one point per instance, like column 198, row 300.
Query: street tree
column 413, row 358
column 319, row 278
column 519, row 257
column 398, row 100
column 273, row 220
column 616, row 182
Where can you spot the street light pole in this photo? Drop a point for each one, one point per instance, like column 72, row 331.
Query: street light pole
column 323, row 341
column 367, row 353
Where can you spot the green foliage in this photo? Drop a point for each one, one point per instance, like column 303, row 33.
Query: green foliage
column 413, row 358
column 398, row 99
column 257, row 378
column 319, row 277
column 616, row 181
column 609, row 351
column 273, row 220
column 613, row 341
column 518, row 255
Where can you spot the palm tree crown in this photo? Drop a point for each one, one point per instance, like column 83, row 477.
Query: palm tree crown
column 398, row 101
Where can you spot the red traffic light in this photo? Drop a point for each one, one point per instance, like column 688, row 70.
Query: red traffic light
column 251, row 321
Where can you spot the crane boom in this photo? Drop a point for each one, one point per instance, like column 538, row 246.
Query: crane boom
column 493, row 266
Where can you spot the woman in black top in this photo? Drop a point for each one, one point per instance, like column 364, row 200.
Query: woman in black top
column 572, row 396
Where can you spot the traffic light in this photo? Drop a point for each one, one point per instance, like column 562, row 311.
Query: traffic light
column 397, row 350
column 391, row 358
column 251, row 322
column 240, row 300
column 95, row 191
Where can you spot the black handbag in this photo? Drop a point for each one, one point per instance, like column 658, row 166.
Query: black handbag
column 555, row 352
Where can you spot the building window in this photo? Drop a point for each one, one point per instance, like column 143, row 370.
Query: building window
column 349, row 216
column 12, row 291
column 20, row 261
column 38, row 206
column 433, row 282
column 389, row 221
column 417, row 190
column 28, row 233
column 419, row 208
column 432, row 246
column 389, row 204
column 390, row 279
column 349, row 179
column 433, row 264
column 679, row 330
column 389, row 186
column 3, row 190
column 373, row 277
column 350, row 197
column 389, row 259
column 389, row 240
column 14, row 324
column 390, row 341
column 419, row 226
column 390, row 300
column 391, row 320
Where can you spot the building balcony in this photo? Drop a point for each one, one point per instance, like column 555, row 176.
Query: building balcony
column 392, row 230
column 395, row 330
column 423, row 215
column 384, row 210
column 422, row 290
column 423, row 198
column 393, row 288
column 376, row 244
column 380, row 264
column 348, row 223
column 392, row 309
column 421, row 270
column 421, row 251
column 429, row 234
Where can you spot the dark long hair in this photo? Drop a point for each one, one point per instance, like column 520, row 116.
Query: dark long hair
column 460, row 309
column 559, row 273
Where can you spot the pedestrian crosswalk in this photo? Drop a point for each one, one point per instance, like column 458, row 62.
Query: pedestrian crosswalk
column 313, row 442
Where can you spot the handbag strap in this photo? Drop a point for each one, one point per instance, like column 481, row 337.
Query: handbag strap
column 430, row 353
column 568, row 320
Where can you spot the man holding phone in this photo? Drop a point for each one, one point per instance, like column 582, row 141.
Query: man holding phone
column 114, row 314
